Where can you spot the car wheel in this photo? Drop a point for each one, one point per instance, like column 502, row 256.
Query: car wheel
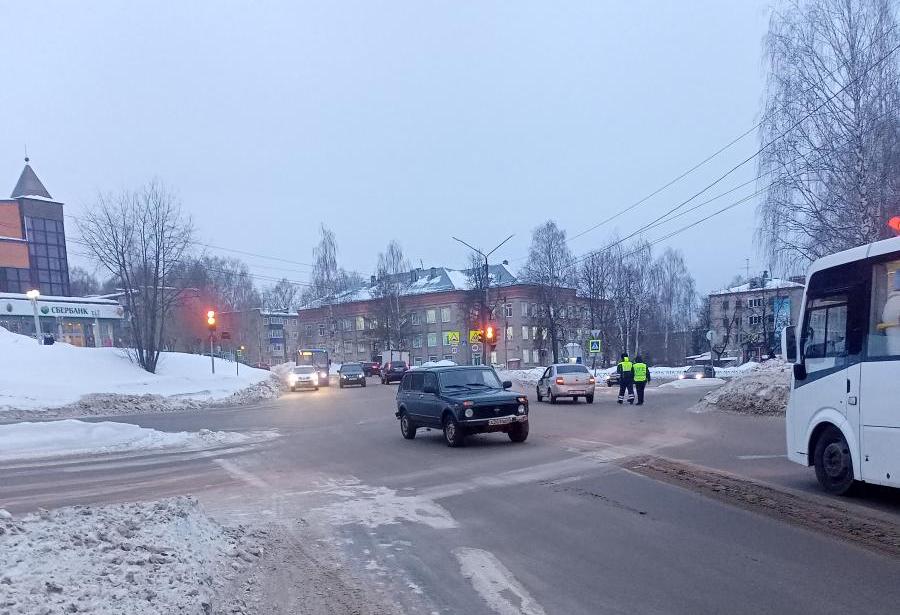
column 589, row 399
column 453, row 434
column 539, row 396
column 293, row 389
column 834, row 465
column 551, row 395
column 364, row 385
column 518, row 432
column 316, row 389
column 407, row 427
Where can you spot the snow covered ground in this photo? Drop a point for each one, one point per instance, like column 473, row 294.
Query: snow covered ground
column 34, row 377
column 693, row 383
column 71, row 437
column 157, row 557
column 763, row 389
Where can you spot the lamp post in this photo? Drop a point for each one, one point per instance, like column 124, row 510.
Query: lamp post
column 33, row 296
column 487, row 286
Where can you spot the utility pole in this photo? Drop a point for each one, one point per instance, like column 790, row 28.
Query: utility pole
column 487, row 287
column 33, row 296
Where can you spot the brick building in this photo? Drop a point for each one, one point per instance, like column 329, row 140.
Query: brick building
column 437, row 317
column 267, row 337
column 32, row 239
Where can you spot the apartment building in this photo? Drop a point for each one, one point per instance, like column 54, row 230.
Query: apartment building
column 439, row 317
column 267, row 337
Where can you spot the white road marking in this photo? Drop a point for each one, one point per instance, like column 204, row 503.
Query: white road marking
column 495, row 583
column 750, row 457
column 244, row 475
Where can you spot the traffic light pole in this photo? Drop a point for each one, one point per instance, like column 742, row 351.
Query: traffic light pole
column 212, row 359
column 487, row 287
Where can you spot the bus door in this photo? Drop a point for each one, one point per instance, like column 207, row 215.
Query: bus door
column 880, row 399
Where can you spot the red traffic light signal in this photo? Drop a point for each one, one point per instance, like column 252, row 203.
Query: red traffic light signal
column 490, row 336
column 894, row 223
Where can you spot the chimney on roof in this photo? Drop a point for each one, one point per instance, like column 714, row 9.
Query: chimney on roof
column 505, row 262
column 413, row 275
column 372, row 280
column 433, row 273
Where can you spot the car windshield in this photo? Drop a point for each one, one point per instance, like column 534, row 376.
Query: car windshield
column 305, row 369
column 350, row 369
column 398, row 364
column 470, row 378
column 571, row 369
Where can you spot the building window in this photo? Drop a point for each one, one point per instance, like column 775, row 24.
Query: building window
column 348, row 346
column 448, row 357
column 347, row 324
column 445, row 314
column 534, row 309
column 361, row 348
column 432, row 358
column 414, row 318
column 534, row 333
column 432, row 340
column 508, row 310
column 430, row 316
column 754, row 303
column 755, row 320
column 309, row 331
column 321, row 330
column 725, row 304
column 524, row 355
column 535, row 356
column 524, row 332
column 418, row 361
column 493, row 356
column 725, row 322
column 524, row 306
column 417, row 341
column 360, row 323
column 509, row 332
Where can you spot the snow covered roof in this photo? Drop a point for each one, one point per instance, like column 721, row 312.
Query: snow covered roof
column 29, row 186
column 24, row 297
column 770, row 284
column 422, row 281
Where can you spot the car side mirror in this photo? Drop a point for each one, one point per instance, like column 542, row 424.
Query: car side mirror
column 429, row 388
column 507, row 384
column 789, row 343
column 800, row 371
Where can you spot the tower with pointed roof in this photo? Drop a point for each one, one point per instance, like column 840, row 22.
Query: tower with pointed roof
column 33, row 239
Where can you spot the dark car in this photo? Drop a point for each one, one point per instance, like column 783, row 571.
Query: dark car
column 612, row 379
column 393, row 371
column 371, row 368
column 351, row 374
column 461, row 400
column 698, row 371
column 264, row 366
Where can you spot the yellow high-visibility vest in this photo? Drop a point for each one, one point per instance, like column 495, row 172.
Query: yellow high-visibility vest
column 626, row 365
column 640, row 372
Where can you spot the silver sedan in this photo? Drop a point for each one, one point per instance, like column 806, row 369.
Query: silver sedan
column 571, row 380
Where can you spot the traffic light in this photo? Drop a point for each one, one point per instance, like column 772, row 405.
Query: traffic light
column 894, row 223
column 490, row 336
column 211, row 320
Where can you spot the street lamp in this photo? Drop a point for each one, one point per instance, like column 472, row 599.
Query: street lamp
column 487, row 286
column 33, row 296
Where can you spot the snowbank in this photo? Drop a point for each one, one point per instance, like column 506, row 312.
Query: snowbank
column 693, row 383
column 156, row 557
column 34, row 377
column 763, row 389
column 71, row 437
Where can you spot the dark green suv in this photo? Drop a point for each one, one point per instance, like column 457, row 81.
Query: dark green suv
column 460, row 400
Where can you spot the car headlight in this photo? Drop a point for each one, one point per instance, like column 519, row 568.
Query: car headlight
column 521, row 409
column 323, row 375
column 681, row 376
column 698, row 376
column 292, row 378
column 469, row 413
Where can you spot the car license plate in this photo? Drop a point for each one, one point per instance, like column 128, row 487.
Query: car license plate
column 503, row 420
column 577, row 392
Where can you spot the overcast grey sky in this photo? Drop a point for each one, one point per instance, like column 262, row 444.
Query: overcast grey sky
column 408, row 120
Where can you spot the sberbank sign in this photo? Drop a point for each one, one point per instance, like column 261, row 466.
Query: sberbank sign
column 58, row 310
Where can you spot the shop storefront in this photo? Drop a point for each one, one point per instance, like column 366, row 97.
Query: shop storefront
column 80, row 321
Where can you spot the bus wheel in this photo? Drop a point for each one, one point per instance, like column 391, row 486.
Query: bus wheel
column 834, row 465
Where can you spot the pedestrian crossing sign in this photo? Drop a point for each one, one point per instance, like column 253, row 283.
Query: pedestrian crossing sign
column 594, row 346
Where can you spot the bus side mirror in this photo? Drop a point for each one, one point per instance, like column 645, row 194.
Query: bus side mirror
column 799, row 371
column 789, row 343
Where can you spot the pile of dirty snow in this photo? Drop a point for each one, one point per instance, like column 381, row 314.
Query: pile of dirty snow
column 71, row 437
column 105, row 381
column 156, row 557
column 762, row 390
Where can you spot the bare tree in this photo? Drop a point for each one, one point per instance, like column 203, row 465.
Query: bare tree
column 325, row 272
column 223, row 283
column 282, row 296
column 82, row 282
column 594, row 282
column 393, row 269
column 831, row 127
column 675, row 292
column 550, row 266
column 140, row 237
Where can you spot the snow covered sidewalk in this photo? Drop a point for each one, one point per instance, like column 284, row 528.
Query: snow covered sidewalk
column 71, row 437
column 64, row 381
column 157, row 557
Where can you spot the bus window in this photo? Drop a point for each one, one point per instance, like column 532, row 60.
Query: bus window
column 884, row 331
column 825, row 334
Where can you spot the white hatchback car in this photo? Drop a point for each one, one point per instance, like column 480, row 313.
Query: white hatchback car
column 566, row 380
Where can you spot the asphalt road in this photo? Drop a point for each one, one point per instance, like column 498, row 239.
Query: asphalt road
column 554, row 525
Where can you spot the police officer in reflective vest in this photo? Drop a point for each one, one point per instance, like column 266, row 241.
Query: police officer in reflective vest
column 641, row 378
column 626, row 378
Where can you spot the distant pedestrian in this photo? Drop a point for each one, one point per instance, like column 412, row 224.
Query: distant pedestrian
column 626, row 378
column 641, row 378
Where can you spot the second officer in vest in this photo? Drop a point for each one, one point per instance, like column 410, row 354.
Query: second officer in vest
column 626, row 378
column 641, row 378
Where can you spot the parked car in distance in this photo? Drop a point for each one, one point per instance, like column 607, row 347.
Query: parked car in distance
column 566, row 380
column 698, row 371
column 393, row 371
column 351, row 374
column 371, row 368
column 460, row 400
column 264, row 366
column 303, row 377
column 612, row 379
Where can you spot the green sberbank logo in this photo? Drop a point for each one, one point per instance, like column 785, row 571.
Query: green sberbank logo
column 45, row 309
